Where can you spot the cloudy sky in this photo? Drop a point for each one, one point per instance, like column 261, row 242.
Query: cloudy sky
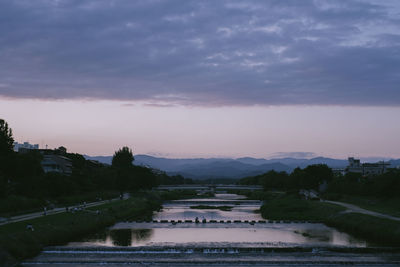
column 203, row 78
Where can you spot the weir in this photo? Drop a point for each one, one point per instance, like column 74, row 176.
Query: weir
column 214, row 202
column 209, row 224
column 214, row 256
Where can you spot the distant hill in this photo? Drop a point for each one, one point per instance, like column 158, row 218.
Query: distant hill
column 206, row 168
column 227, row 169
column 102, row 159
column 395, row 163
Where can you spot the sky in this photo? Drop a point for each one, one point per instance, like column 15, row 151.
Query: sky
column 203, row 78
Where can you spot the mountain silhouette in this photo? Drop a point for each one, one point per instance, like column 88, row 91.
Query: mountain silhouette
column 208, row 168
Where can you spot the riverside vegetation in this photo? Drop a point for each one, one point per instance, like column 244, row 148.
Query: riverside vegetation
column 378, row 193
column 17, row 242
column 291, row 207
column 25, row 187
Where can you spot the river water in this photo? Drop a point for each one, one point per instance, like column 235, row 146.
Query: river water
column 217, row 233
column 239, row 235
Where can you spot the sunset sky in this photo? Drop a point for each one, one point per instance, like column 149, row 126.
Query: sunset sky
column 203, row 78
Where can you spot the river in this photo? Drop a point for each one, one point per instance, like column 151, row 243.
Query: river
column 235, row 235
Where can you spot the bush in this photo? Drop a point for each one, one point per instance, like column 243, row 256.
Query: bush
column 177, row 194
column 379, row 230
column 12, row 203
column 292, row 207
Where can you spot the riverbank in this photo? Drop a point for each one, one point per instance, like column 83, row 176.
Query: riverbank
column 17, row 242
column 177, row 194
column 16, row 205
column 292, row 207
column 389, row 206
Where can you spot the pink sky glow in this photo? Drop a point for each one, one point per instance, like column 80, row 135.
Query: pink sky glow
column 101, row 127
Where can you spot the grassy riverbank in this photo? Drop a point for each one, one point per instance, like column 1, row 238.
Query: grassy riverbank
column 376, row 230
column 258, row 194
column 17, row 243
column 177, row 194
column 388, row 206
column 182, row 194
column 15, row 205
column 291, row 207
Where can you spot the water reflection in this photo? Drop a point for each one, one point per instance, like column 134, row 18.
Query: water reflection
column 140, row 235
column 268, row 235
column 242, row 234
column 121, row 237
column 117, row 237
column 180, row 210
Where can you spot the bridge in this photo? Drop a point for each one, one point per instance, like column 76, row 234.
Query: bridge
column 214, row 187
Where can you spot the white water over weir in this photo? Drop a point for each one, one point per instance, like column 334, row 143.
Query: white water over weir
column 227, row 233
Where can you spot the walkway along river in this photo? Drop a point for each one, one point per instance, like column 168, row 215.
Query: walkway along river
column 235, row 235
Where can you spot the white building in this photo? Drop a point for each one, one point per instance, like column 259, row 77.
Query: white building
column 367, row 169
column 25, row 145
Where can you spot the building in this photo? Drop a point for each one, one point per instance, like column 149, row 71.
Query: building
column 56, row 163
column 24, row 146
column 375, row 168
column 354, row 166
column 54, row 160
column 367, row 169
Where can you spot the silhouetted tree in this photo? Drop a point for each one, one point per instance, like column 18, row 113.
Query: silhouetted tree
column 273, row 179
column 143, row 178
column 6, row 156
column 122, row 158
column 27, row 172
column 122, row 163
column 6, row 138
column 315, row 175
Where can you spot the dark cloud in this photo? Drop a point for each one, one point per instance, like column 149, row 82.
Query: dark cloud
column 202, row 52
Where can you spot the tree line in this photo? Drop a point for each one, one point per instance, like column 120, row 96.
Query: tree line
column 21, row 174
column 321, row 177
column 310, row 177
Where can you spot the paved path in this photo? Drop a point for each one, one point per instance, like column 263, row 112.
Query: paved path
column 357, row 209
column 29, row 216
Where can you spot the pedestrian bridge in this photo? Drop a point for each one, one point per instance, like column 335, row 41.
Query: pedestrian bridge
column 208, row 187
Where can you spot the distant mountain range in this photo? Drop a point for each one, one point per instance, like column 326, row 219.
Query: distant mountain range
column 208, row 168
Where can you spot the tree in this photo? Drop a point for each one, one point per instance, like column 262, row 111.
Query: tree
column 122, row 163
column 315, row 175
column 6, row 153
column 6, row 138
column 122, row 158
column 273, row 179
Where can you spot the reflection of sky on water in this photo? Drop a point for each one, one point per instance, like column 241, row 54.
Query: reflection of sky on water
column 218, row 197
column 317, row 234
column 182, row 211
column 180, row 234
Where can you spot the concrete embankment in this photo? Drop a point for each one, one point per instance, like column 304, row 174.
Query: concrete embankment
column 215, row 256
